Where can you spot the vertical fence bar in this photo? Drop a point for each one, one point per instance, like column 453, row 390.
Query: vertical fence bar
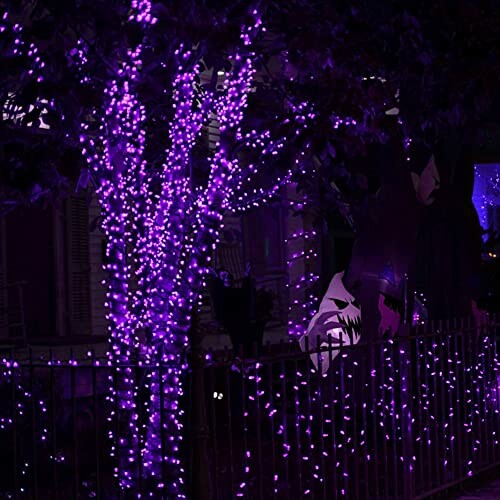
column 365, row 445
column 477, row 395
column 15, row 463
column 97, row 443
column 74, row 409
column 258, row 394
column 271, row 412
column 467, row 430
column 296, row 388
column 396, row 372
column 496, row 413
column 33, row 425
column 418, row 398
column 354, row 420
column 488, row 361
column 404, row 361
column 284, row 430
column 246, row 459
column 212, row 395
column 343, row 432
column 462, row 436
column 436, row 418
column 473, row 369
column 494, row 409
column 333, row 402
column 433, row 405
column 451, row 336
column 426, row 435
column 444, row 328
column 454, row 397
column 491, row 386
column 381, row 401
column 374, row 376
column 480, row 393
column 309, row 458
column 229, row 402
column 52, row 383
column 471, row 331
column 319, row 413
column 201, row 485
column 478, row 383
column 486, row 393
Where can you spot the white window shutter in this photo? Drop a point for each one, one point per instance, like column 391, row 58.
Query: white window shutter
column 78, row 276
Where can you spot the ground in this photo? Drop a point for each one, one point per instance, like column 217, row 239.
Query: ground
column 489, row 492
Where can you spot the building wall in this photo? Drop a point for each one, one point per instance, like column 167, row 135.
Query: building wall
column 264, row 234
column 29, row 246
column 3, row 282
column 45, row 253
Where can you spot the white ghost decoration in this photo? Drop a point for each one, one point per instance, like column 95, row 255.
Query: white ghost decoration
column 339, row 317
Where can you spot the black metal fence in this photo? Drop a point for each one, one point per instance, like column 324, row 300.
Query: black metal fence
column 404, row 418
column 53, row 424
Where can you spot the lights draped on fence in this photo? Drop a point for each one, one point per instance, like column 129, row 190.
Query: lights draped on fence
column 278, row 424
column 398, row 418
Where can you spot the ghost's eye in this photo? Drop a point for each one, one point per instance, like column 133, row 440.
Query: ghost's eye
column 355, row 303
column 341, row 304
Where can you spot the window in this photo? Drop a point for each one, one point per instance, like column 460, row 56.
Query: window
column 486, row 195
column 263, row 229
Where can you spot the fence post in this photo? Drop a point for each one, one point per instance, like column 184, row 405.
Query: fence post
column 405, row 348
column 200, row 477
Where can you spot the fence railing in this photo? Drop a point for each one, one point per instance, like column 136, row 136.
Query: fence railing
column 399, row 418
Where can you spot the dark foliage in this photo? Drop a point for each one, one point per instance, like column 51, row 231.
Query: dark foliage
column 437, row 62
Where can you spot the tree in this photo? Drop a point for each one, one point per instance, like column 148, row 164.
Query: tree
column 435, row 64
column 162, row 228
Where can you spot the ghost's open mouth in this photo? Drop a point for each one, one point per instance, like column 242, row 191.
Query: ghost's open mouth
column 351, row 326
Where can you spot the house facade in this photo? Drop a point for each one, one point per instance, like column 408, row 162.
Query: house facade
column 45, row 271
column 51, row 266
